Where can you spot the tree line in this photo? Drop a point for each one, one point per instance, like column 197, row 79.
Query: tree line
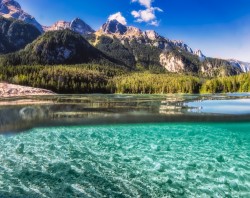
column 238, row 83
column 94, row 78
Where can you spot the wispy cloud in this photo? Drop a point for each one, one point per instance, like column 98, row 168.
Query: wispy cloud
column 118, row 16
column 146, row 15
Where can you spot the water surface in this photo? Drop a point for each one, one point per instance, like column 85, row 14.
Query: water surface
column 22, row 113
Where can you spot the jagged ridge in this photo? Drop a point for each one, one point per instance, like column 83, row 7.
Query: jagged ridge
column 76, row 25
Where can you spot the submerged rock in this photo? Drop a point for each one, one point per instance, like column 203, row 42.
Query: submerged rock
column 20, row 149
column 220, row 159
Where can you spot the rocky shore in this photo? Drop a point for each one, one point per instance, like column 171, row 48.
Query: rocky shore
column 10, row 90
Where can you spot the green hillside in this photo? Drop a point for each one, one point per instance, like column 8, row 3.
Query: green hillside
column 57, row 47
column 15, row 35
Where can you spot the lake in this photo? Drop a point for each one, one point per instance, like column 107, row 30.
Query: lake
column 125, row 146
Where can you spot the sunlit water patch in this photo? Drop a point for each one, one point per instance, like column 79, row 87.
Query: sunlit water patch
column 143, row 160
column 233, row 107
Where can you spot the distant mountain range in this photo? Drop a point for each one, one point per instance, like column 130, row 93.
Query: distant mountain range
column 129, row 46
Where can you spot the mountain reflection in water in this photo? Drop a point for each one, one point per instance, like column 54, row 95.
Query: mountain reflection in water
column 18, row 114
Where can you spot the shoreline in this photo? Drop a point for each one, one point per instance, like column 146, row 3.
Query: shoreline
column 12, row 90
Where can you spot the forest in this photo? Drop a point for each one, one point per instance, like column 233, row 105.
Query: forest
column 238, row 83
column 95, row 78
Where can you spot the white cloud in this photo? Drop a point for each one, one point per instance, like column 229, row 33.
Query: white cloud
column 146, row 3
column 155, row 23
column 135, row 14
column 144, row 15
column 118, row 16
column 147, row 15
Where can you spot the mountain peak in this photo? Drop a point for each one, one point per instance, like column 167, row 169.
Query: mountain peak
column 151, row 34
column 201, row 56
column 245, row 67
column 12, row 9
column 133, row 31
column 59, row 25
column 79, row 26
column 183, row 46
column 114, row 27
column 11, row 3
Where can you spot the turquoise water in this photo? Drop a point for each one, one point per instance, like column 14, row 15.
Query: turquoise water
column 136, row 160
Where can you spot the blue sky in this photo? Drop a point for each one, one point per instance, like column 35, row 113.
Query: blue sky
column 220, row 28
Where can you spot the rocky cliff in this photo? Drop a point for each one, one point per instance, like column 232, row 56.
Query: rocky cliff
column 77, row 25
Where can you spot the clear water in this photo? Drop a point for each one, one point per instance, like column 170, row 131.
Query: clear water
column 144, row 160
column 125, row 146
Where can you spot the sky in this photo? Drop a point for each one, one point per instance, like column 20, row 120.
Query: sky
column 220, row 28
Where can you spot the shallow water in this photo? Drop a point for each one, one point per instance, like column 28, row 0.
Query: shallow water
column 125, row 146
column 139, row 160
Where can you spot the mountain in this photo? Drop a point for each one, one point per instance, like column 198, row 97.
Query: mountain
column 57, row 47
column 245, row 67
column 148, row 50
column 15, row 35
column 77, row 25
column 199, row 53
column 125, row 45
column 12, row 9
column 183, row 46
column 145, row 49
column 113, row 27
column 59, row 25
